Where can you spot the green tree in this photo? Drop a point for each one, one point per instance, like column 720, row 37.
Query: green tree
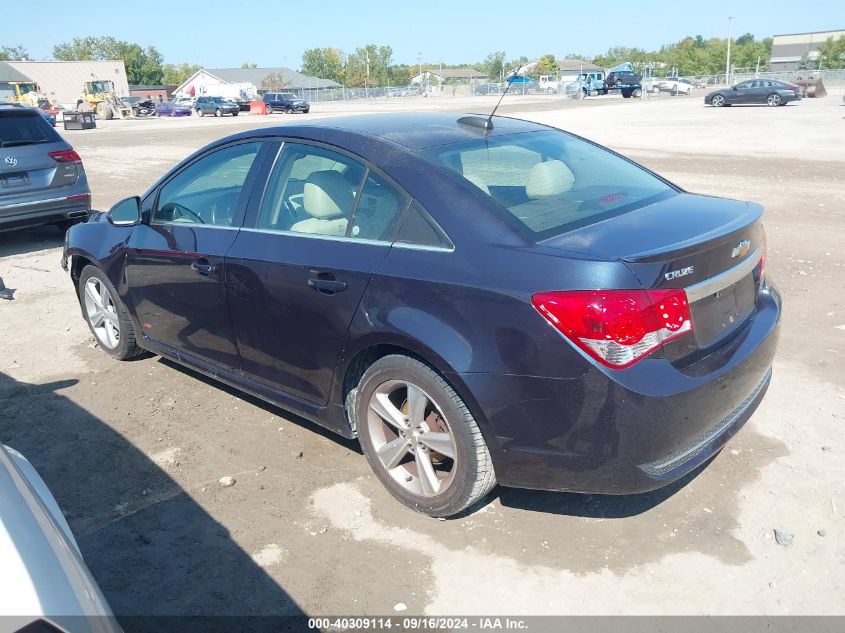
column 546, row 65
column 400, row 74
column 832, row 52
column 274, row 82
column 326, row 63
column 143, row 66
column 376, row 59
column 13, row 53
column 494, row 65
column 249, row 65
column 175, row 74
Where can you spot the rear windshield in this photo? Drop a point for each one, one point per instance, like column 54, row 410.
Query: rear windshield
column 552, row 182
column 25, row 128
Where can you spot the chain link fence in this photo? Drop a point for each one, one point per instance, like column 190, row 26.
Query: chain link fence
column 651, row 87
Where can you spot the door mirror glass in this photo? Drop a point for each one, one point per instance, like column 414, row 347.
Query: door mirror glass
column 127, row 212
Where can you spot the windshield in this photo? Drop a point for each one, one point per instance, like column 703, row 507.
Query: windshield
column 95, row 87
column 552, row 182
column 26, row 88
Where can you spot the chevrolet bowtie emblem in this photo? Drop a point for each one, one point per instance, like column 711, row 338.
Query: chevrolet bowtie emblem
column 741, row 249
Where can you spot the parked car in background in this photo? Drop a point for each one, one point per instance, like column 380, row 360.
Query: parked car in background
column 286, row 102
column 172, row 108
column 141, row 106
column 48, row 116
column 181, row 101
column 755, row 91
column 42, row 180
column 487, row 89
column 218, row 106
column 674, row 85
column 325, row 268
column 44, row 578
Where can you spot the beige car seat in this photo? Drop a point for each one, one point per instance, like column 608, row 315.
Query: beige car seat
column 327, row 198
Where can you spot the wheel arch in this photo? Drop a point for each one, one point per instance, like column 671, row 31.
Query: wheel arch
column 353, row 365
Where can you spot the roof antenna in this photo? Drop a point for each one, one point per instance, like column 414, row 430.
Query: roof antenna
column 487, row 124
column 510, row 83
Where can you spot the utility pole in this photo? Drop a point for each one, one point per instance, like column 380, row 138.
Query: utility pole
column 728, row 62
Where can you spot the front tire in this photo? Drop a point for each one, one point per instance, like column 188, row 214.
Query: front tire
column 235, row 113
column 218, row 112
column 106, row 315
column 420, row 439
column 200, row 113
column 717, row 101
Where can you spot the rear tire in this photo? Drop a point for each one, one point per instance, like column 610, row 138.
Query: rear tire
column 235, row 113
column 106, row 315
column 431, row 456
column 218, row 112
column 200, row 113
column 774, row 100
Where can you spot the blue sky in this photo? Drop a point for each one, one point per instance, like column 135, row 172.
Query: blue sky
column 275, row 33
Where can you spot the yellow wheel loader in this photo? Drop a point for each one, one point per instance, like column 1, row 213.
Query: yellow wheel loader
column 99, row 96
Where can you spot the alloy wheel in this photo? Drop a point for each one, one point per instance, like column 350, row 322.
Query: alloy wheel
column 102, row 313
column 773, row 100
column 412, row 439
column 718, row 101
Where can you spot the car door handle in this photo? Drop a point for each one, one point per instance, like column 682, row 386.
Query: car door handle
column 203, row 267
column 326, row 284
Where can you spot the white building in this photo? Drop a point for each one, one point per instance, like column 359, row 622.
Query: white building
column 62, row 82
column 230, row 82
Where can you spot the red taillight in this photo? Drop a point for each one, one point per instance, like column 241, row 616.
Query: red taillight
column 761, row 267
column 65, row 156
column 617, row 327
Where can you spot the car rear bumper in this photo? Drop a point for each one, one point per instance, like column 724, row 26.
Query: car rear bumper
column 19, row 215
column 629, row 431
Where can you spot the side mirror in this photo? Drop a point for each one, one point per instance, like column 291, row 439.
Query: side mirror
column 733, row 87
column 127, row 212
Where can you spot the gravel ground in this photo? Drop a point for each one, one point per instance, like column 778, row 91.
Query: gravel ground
column 133, row 451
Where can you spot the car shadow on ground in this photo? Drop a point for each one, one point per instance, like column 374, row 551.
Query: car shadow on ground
column 156, row 553
column 593, row 506
column 272, row 409
column 29, row 240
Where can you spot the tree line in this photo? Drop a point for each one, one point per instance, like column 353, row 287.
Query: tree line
column 373, row 65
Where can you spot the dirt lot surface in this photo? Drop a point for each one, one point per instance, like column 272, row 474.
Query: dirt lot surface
column 133, row 451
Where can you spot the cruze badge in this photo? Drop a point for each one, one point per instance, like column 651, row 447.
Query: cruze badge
column 741, row 249
column 681, row 272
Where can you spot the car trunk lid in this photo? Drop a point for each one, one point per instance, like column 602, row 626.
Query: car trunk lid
column 709, row 246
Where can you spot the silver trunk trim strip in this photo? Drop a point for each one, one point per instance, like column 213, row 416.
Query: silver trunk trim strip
column 723, row 280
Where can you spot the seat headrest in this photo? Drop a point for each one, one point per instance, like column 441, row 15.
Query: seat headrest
column 550, row 178
column 327, row 194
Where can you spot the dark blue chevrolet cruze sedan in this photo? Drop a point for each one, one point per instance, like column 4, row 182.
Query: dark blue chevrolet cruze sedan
column 476, row 302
